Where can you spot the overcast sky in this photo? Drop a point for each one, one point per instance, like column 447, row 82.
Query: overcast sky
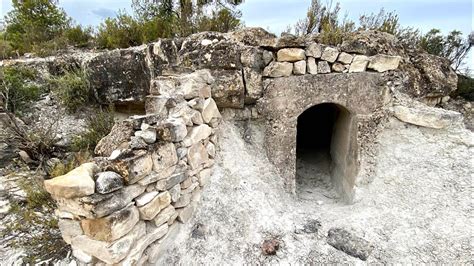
column 276, row 15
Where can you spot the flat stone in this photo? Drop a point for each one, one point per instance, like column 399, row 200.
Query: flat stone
column 149, row 211
column 314, row 50
column 136, row 143
column 427, row 116
column 290, row 55
column 330, row 54
column 158, row 105
column 190, row 188
column 82, row 256
column 173, row 129
column 107, row 182
column 110, row 253
column 345, row 58
column 186, row 183
column 197, row 156
column 171, row 181
column 196, row 84
column 164, row 157
column 349, row 243
column 312, row 67
column 278, row 69
column 204, row 177
column 359, row 64
column 197, row 134
column 323, row 67
column 134, row 168
column 136, row 253
column 113, row 226
column 77, row 183
column 210, row 111
column 165, row 215
column 157, row 176
column 145, row 198
column 69, row 229
column 382, row 63
column 183, row 201
column 118, row 136
column 299, row 67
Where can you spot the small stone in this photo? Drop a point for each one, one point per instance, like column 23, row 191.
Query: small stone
column 278, row 69
column 175, row 193
column 211, row 150
column 145, row 198
column 137, row 143
column 182, row 152
column 196, row 84
column 164, row 157
column 299, row 68
column 189, row 189
column 197, row 134
column 186, row 183
column 359, row 64
column 267, row 57
column 69, row 229
column 204, row 177
column 113, row 226
column 323, row 67
column 157, row 175
column 338, row 67
column 314, row 50
column 210, row 111
column 25, row 157
column 270, row 247
column 382, row 63
column 197, row 104
column 149, row 135
column 82, row 256
column 149, row 211
column 77, row 183
column 330, row 54
column 107, row 182
column 197, row 156
column 349, row 243
column 311, row 66
column 345, row 58
column 173, row 129
column 165, row 215
column 115, row 154
column 185, row 214
column 183, row 201
column 136, row 253
column 290, row 55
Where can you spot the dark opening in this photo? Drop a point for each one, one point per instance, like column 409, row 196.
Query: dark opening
column 313, row 151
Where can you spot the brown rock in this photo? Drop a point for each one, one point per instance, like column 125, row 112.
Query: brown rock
column 270, row 247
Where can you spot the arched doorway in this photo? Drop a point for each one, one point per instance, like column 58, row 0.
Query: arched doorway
column 325, row 152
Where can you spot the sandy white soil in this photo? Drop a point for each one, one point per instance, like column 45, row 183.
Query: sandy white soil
column 417, row 209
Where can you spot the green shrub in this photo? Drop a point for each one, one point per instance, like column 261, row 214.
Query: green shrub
column 72, row 89
column 120, row 32
column 465, row 88
column 79, row 36
column 98, row 126
column 76, row 160
column 18, row 87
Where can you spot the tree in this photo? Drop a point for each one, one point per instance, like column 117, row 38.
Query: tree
column 32, row 22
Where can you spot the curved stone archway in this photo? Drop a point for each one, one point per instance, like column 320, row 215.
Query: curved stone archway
column 326, row 150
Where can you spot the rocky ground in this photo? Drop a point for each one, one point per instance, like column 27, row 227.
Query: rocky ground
column 417, row 209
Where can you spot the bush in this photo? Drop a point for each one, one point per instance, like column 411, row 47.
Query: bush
column 76, row 160
column 78, row 36
column 465, row 88
column 72, row 89
column 18, row 88
column 120, row 32
column 98, row 126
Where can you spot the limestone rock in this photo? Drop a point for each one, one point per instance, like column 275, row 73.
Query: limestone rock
column 175, row 192
column 165, row 215
column 382, row 63
column 157, row 176
column 323, row 67
column 210, row 111
column 253, row 85
column 145, row 198
column 196, row 84
column 267, row 57
column 69, row 229
column 359, row 64
column 278, row 69
column 136, row 253
column 314, row 50
column 311, row 66
column 330, row 54
column 77, row 183
column 150, row 210
column 299, row 68
column 228, row 91
column 81, row 256
column 197, row 156
column 171, row 181
column 149, row 136
column 349, row 243
column 164, row 157
column 251, row 57
column 254, row 36
column 211, row 149
column 290, row 55
column 204, row 177
column 185, row 214
column 110, row 253
column 164, row 87
column 158, row 105
column 338, row 67
column 119, row 135
column 136, row 143
column 345, row 58
column 183, row 201
column 113, row 226
column 173, row 129
column 107, row 182
column 134, row 167
column 197, row 134
column 427, row 116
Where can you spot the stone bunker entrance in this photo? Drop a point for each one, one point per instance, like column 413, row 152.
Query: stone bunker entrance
column 322, row 146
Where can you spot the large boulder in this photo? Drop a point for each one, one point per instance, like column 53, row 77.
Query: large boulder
column 120, row 76
column 371, row 43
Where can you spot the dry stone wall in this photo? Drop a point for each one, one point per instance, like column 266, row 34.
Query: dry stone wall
column 150, row 169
